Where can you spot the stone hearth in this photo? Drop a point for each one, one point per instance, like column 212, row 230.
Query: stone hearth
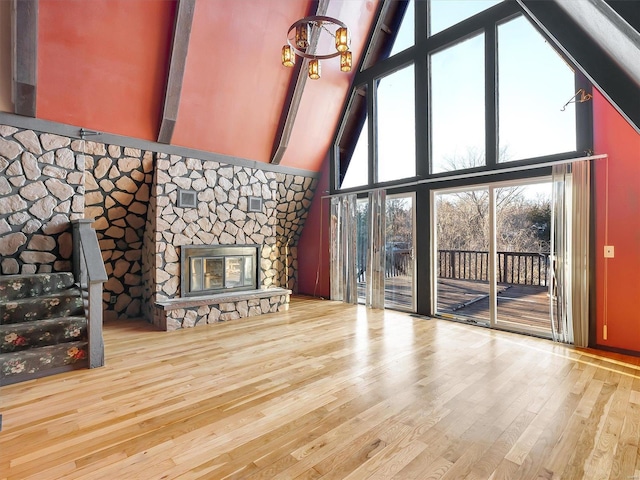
column 186, row 312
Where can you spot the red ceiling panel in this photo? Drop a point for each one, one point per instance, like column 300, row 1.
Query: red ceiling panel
column 102, row 64
column 234, row 84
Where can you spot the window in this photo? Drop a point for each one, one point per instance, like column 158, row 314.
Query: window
column 534, row 83
column 353, row 147
column 488, row 91
column 446, row 13
column 406, row 36
column 396, row 126
column 457, row 106
column 357, row 173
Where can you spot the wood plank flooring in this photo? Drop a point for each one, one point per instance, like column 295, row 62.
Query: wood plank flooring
column 328, row 391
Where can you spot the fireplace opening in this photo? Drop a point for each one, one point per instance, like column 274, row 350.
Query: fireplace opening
column 211, row 269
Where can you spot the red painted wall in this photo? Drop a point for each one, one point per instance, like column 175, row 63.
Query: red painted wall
column 102, row 64
column 313, row 247
column 617, row 223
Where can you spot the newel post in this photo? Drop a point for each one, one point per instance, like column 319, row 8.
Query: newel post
column 90, row 274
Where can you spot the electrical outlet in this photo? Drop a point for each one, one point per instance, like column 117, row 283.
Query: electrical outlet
column 608, row 251
column 113, row 299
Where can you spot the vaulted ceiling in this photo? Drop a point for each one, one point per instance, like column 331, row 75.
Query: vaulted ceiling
column 206, row 74
column 203, row 74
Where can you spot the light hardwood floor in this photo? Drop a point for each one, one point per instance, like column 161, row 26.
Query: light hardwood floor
column 328, row 391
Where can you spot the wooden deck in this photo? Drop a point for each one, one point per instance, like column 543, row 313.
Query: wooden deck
column 328, row 391
column 520, row 307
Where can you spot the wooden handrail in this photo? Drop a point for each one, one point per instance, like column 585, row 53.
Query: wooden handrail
column 90, row 274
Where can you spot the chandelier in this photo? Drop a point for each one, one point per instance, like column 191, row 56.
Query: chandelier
column 299, row 42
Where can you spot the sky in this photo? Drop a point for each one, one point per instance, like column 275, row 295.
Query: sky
column 534, row 82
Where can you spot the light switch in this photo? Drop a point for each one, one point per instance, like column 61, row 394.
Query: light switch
column 608, row 251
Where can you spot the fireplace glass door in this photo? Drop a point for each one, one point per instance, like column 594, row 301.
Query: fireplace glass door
column 233, row 272
column 217, row 269
column 216, row 273
column 213, row 274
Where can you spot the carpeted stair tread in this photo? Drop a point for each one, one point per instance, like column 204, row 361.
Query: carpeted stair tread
column 14, row 287
column 66, row 303
column 40, row 359
column 15, row 337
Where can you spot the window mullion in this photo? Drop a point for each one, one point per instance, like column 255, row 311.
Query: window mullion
column 490, row 86
column 373, row 129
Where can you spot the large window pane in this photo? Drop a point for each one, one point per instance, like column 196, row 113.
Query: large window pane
column 358, row 170
column 396, row 126
column 457, row 106
column 534, row 83
column 446, row 13
column 405, row 37
column 353, row 146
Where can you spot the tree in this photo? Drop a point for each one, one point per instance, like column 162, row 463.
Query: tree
column 522, row 224
column 399, row 221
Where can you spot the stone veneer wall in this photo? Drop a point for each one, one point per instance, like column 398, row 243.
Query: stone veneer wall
column 117, row 183
column 221, row 217
column 41, row 191
column 47, row 180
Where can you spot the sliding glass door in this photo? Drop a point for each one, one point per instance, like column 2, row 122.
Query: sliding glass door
column 491, row 256
column 462, row 254
column 399, row 247
column 362, row 246
column 523, row 237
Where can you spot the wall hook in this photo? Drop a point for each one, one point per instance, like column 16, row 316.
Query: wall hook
column 584, row 97
column 84, row 132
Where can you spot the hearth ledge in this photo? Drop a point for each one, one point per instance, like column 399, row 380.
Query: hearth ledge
column 186, row 302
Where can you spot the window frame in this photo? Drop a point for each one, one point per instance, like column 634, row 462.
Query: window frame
column 375, row 65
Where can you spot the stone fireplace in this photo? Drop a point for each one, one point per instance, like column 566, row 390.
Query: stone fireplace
column 212, row 269
column 230, row 252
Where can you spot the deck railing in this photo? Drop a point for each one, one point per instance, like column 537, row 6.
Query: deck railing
column 398, row 263
column 518, row 268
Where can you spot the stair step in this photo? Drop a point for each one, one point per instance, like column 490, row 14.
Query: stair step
column 15, row 337
column 13, row 287
column 60, row 304
column 36, row 360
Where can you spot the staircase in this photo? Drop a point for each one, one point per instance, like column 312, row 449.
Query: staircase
column 43, row 326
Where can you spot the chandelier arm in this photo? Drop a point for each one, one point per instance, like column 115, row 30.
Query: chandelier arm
column 321, row 25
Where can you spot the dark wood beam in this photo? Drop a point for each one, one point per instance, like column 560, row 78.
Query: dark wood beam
column 25, row 52
column 294, row 95
column 179, row 49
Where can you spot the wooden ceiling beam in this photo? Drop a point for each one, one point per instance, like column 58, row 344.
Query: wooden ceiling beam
column 294, row 94
column 25, row 54
column 179, row 50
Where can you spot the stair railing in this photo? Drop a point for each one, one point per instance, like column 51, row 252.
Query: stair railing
column 89, row 272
